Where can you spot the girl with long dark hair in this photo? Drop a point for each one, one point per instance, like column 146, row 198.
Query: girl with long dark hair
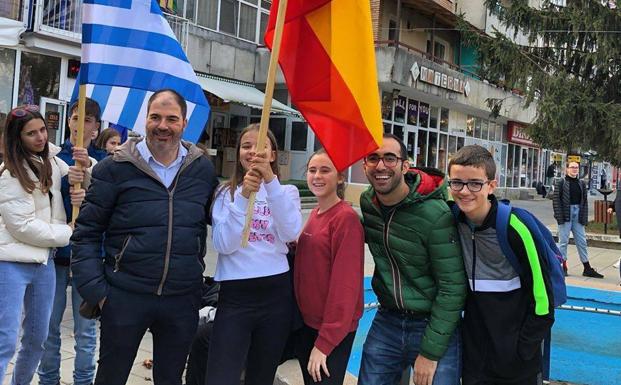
column 32, row 224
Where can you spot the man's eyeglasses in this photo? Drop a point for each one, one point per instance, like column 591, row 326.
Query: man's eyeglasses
column 21, row 111
column 473, row 185
column 390, row 160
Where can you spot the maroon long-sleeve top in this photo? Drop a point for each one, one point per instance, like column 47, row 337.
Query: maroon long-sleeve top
column 328, row 278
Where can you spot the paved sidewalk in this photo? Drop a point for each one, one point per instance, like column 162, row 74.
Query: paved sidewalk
column 601, row 259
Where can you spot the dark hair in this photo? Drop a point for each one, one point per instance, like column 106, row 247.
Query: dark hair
column 91, row 108
column 404, row 150
column 340, row 187
column 238, row 175
column 475, row 156
column 106, row 135
column 177, row 96
column 15, row 154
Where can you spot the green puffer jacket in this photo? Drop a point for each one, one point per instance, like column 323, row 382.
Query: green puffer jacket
column 418, row 262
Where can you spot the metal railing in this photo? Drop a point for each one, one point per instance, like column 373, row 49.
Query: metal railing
column 12, row 9
column 59, row 17
column 179, row 26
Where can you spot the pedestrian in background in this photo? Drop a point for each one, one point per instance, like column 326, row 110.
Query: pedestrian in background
column 571, row 211
column 32, row 224
column 255, row 300
column 108, row 140
column 329, row 269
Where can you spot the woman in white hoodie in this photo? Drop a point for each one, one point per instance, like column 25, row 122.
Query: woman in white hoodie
column 255, row 301
column 32, row 224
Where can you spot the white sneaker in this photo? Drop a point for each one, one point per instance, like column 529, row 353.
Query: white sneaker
column 618, row 264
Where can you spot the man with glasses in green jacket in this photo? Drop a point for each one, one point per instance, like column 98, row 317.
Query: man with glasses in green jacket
column 419, row 275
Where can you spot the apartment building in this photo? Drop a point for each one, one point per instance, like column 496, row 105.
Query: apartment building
column 431, row 94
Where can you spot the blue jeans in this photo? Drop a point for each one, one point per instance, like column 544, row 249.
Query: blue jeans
column 579, row 234
column 393, row 344
column 27, row 287
column 84, row 330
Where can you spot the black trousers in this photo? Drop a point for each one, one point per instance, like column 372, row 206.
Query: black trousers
column 252, row 324
column 125, row 318
column 336, row 361
column 197, row 360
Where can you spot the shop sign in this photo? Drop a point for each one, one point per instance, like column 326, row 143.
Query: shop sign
column 517, row 134
column 574, row 158
column 442, row 80
column 52, row 120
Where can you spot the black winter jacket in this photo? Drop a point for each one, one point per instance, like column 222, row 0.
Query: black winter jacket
column 153, row 237
column 560, row 202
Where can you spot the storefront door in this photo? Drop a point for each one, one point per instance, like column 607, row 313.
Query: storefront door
column 53, row 111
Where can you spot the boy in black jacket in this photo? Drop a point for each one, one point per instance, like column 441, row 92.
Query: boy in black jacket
column 507, row 315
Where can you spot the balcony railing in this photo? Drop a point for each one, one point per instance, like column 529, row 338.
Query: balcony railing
column 179, row 26
column 59, row 18
column 13, row 9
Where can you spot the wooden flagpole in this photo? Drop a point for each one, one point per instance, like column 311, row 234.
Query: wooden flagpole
column 267, row 105
column 79, row 140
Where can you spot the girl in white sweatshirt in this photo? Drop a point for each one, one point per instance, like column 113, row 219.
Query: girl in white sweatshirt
column 255, row 302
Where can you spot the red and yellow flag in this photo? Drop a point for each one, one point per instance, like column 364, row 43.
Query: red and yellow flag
column 328, row 58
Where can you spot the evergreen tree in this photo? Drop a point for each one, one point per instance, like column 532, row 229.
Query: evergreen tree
column 570, row 66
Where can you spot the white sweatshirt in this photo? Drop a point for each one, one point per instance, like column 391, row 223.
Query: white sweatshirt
column 277, row 220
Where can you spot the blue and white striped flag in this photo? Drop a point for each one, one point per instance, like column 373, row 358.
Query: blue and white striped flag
column 128, row 52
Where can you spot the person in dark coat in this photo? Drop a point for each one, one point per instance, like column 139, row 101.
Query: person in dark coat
column 571, row 211
column 616, row 208
column 148, row 204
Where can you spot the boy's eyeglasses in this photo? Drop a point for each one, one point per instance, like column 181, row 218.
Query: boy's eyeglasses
column 473, row 185
column 21, row 111
column 390, row 160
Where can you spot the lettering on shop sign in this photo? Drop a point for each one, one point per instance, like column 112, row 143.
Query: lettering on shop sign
column 442, row 80
column 52, row 120
column 516, row 133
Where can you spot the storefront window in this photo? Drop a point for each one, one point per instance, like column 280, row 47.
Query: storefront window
column 442, row 151
column 386, row 106
column 398, row 131
column 299, row 133
column 400, row 108
column 470, row 126
column 485, row 130
column 477, row 128
column 423, row 115
column 278, row 125
column 410, row 146
column 452, row 146
column 11, row 9
column 444, row 119
column 387, row 128
column 39, row 77
column 503, row 166
column 433, row 117
column 228, row 16
column 7, row 74
column 421, row 155
column 413, row 112
column 524, row 168
column 460, row 143
column 357, row 173
column 433, row 149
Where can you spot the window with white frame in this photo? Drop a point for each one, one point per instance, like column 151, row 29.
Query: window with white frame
column 245, row 19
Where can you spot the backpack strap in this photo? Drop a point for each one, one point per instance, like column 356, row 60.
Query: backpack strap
column 503, row 215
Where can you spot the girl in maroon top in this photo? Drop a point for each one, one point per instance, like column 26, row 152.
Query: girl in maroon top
column 329, row 267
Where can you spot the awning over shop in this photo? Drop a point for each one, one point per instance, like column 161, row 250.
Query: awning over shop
column 10, row 31
column 240, row 92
